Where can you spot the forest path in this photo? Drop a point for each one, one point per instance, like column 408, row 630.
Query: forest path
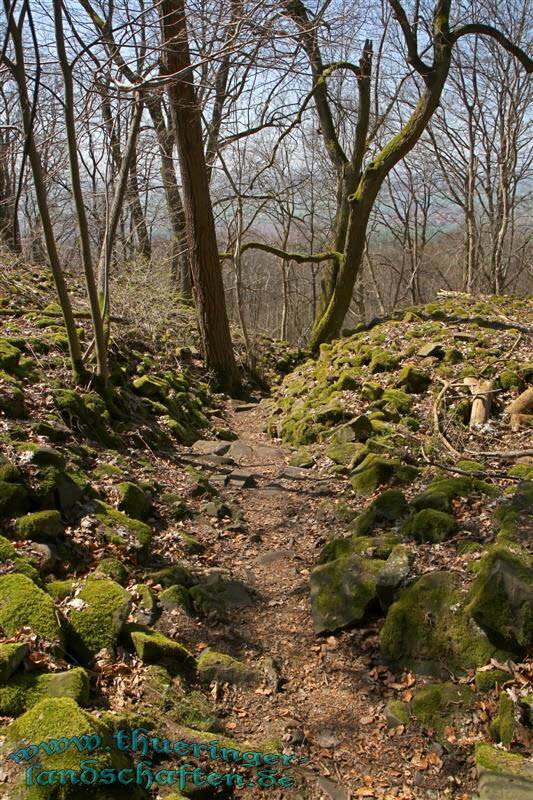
column 328, row 705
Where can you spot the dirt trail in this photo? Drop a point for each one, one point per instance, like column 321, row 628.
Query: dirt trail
column 332, row 691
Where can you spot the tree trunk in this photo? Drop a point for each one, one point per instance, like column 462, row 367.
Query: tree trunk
column 201, row 236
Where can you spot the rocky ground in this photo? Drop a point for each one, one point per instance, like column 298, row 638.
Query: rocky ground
column 340, row 573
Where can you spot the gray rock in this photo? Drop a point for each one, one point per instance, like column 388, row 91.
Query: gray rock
column 390, row 578
column 241, row 478
column 433, row 350
column 205, row 447
column 296, row 474
column 502, row 775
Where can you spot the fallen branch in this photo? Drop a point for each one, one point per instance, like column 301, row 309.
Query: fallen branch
column 522, row 403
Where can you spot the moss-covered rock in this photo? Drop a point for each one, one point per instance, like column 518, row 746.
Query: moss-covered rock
column 97, row 617
column 41, row 526
column 133, row 501
column 56, row 488
column 441, row 491
column 9, row 473
column 14, row 499
column 383, row 361
column 59, row 590
column 439, row 705
column 24, row 690
column 397, row 713
column 502, row 775
column 501, row 599
column 41, row 456
column 358, row 429
column 11, row 397
column 503, row 726
column 486, row 680
column 23, row 604
column 9, row 356
column 178, row 573
column 176, row 597
column 114, row 569
column 213, row 666
column 514, row 516
column 123, row 530
column 428, row 630
column 523, row 472
column 376, row 471
column 394, row 573
column 153, row 647
column 60, row 718
column 342, row 590
column 387, row 509
column 11, row 657
column 413, row 380
column 430, row 525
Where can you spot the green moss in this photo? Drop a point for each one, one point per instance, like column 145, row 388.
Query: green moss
column 41, row 456
column 495, row 760
column 41, row 526
column 23, row 604
column 14, row 499
column 114, row 569
column 224, row 668
column 9, row 356
column 487, row 680
column 11, row 657
column 9, row 473
column 7, row 551
column 375, row 471
column 61, row 718
column 430, row 525
column 56, row 488
column 501, row 598
column 523, row 472
column 502, row 727
column 59, row 590
column 414, row 380
column 442, row 491
column 175, row 597
column 397, row 713
column 342, row 590
column 98, row 624
column 26, row 689
column 473, row 467
column 133, row 501
column 427, row 629
column 176, row 574
column 106, row 470
column 119, row 528
column 509, row 380
column 152, row 647
column 383, row 361
column 195, row 711
column 437, row 705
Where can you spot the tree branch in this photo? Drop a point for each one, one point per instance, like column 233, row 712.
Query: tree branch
column 299, row 258
column 410, row 39
column 487, row 30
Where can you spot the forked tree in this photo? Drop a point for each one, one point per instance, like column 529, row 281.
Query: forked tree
column 360, row 172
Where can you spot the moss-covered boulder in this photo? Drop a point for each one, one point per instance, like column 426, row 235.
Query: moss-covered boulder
column 23, row 604
column 346, row 454
column 60, row 718
column 41, row 526
column 504, row 724
column 14, row 499
column 144, row 608
column 177, row 573
column 60, row 590
column 213, row 666
column 24, row 690
column 96, row 617
column 428, row 630
column 11, row 657
column 383, row 361
column 387, row 509
column 440, row 705
column 133, row 501
column 32, row 453
column 430, row 526
column 342, row 591
column 8, row 471
column 393, row 575
column 123, row 530
column 502, row 775
column 376, row 471
column 487, row 680
column 176, row 597
column 114, row 569
column 11, row 397
column 441, row 491
column 501, row 598
column 57, row 488
column 514, row 517
column 413, row 380
column 358, row 429
column 153, row 647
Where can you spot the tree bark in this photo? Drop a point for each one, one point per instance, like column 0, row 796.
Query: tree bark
column 201, row 236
